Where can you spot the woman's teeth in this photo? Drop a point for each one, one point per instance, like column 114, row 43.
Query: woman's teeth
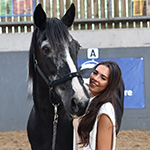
column 93, row 84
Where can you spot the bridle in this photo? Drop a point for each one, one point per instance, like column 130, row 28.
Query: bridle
column 51, row 85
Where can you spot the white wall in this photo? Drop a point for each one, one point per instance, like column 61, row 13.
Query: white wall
column 109, row 38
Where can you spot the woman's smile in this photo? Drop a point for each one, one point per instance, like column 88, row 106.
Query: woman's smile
column 93, row 84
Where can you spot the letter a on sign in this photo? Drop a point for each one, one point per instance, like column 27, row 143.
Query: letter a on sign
column 92, row 53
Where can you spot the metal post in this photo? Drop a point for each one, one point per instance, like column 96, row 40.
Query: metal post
column 110, row 8
column 147, row 3
column 38, row 1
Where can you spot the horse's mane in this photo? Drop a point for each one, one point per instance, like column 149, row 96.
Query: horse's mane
column 31, row 64
column 57, row 34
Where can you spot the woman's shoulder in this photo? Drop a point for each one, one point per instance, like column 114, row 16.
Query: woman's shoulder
column 107, row 109
column 107, row 106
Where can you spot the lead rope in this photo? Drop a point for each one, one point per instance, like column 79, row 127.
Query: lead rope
column 55, row 122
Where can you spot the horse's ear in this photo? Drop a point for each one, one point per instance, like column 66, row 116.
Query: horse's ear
column 68, row 18
column 39, row 17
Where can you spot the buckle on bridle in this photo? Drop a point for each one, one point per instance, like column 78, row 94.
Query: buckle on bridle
column 55, row 112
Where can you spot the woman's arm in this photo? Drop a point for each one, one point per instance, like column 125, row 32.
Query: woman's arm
column 104, row 133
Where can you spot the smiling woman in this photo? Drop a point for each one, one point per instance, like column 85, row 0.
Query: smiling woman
column 97, row 128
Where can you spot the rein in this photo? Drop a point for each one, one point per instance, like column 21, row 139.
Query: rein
column 51, row 85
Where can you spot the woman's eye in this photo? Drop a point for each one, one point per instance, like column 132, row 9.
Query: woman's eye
column 103, row 78
column 45, row 50
column 94, row 72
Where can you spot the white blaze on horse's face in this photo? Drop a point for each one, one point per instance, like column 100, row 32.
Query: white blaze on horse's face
column 75, row 82
column 44, row 43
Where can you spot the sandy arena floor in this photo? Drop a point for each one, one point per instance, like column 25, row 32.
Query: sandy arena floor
column 126, row 140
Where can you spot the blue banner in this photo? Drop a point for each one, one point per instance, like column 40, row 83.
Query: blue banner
column 132, row 74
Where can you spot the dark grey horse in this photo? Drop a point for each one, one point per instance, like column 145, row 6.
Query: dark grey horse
column 55, row 82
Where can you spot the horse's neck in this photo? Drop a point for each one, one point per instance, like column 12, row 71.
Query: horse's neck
column 40, row 86
column 41, row 94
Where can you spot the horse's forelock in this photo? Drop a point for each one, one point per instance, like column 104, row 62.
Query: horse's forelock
column 57, row 33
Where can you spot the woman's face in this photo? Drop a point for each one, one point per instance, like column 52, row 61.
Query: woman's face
column 99, row 79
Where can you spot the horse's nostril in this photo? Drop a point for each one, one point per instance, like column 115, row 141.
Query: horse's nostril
column 74, row 104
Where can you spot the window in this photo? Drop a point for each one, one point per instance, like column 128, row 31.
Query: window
column 16, row 8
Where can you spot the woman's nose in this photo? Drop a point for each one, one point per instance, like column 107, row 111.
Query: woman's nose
column 96, row 77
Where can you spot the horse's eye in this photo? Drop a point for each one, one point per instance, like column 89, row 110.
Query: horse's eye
column 45, row 50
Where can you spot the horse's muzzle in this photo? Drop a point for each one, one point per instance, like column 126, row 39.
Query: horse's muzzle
column 78, row 107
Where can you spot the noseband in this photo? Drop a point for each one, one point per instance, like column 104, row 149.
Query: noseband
column 51, row 85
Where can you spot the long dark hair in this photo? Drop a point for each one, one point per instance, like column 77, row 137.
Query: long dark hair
column 108, row 95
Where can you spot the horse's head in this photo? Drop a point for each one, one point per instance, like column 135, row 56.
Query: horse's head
column 56, row 52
